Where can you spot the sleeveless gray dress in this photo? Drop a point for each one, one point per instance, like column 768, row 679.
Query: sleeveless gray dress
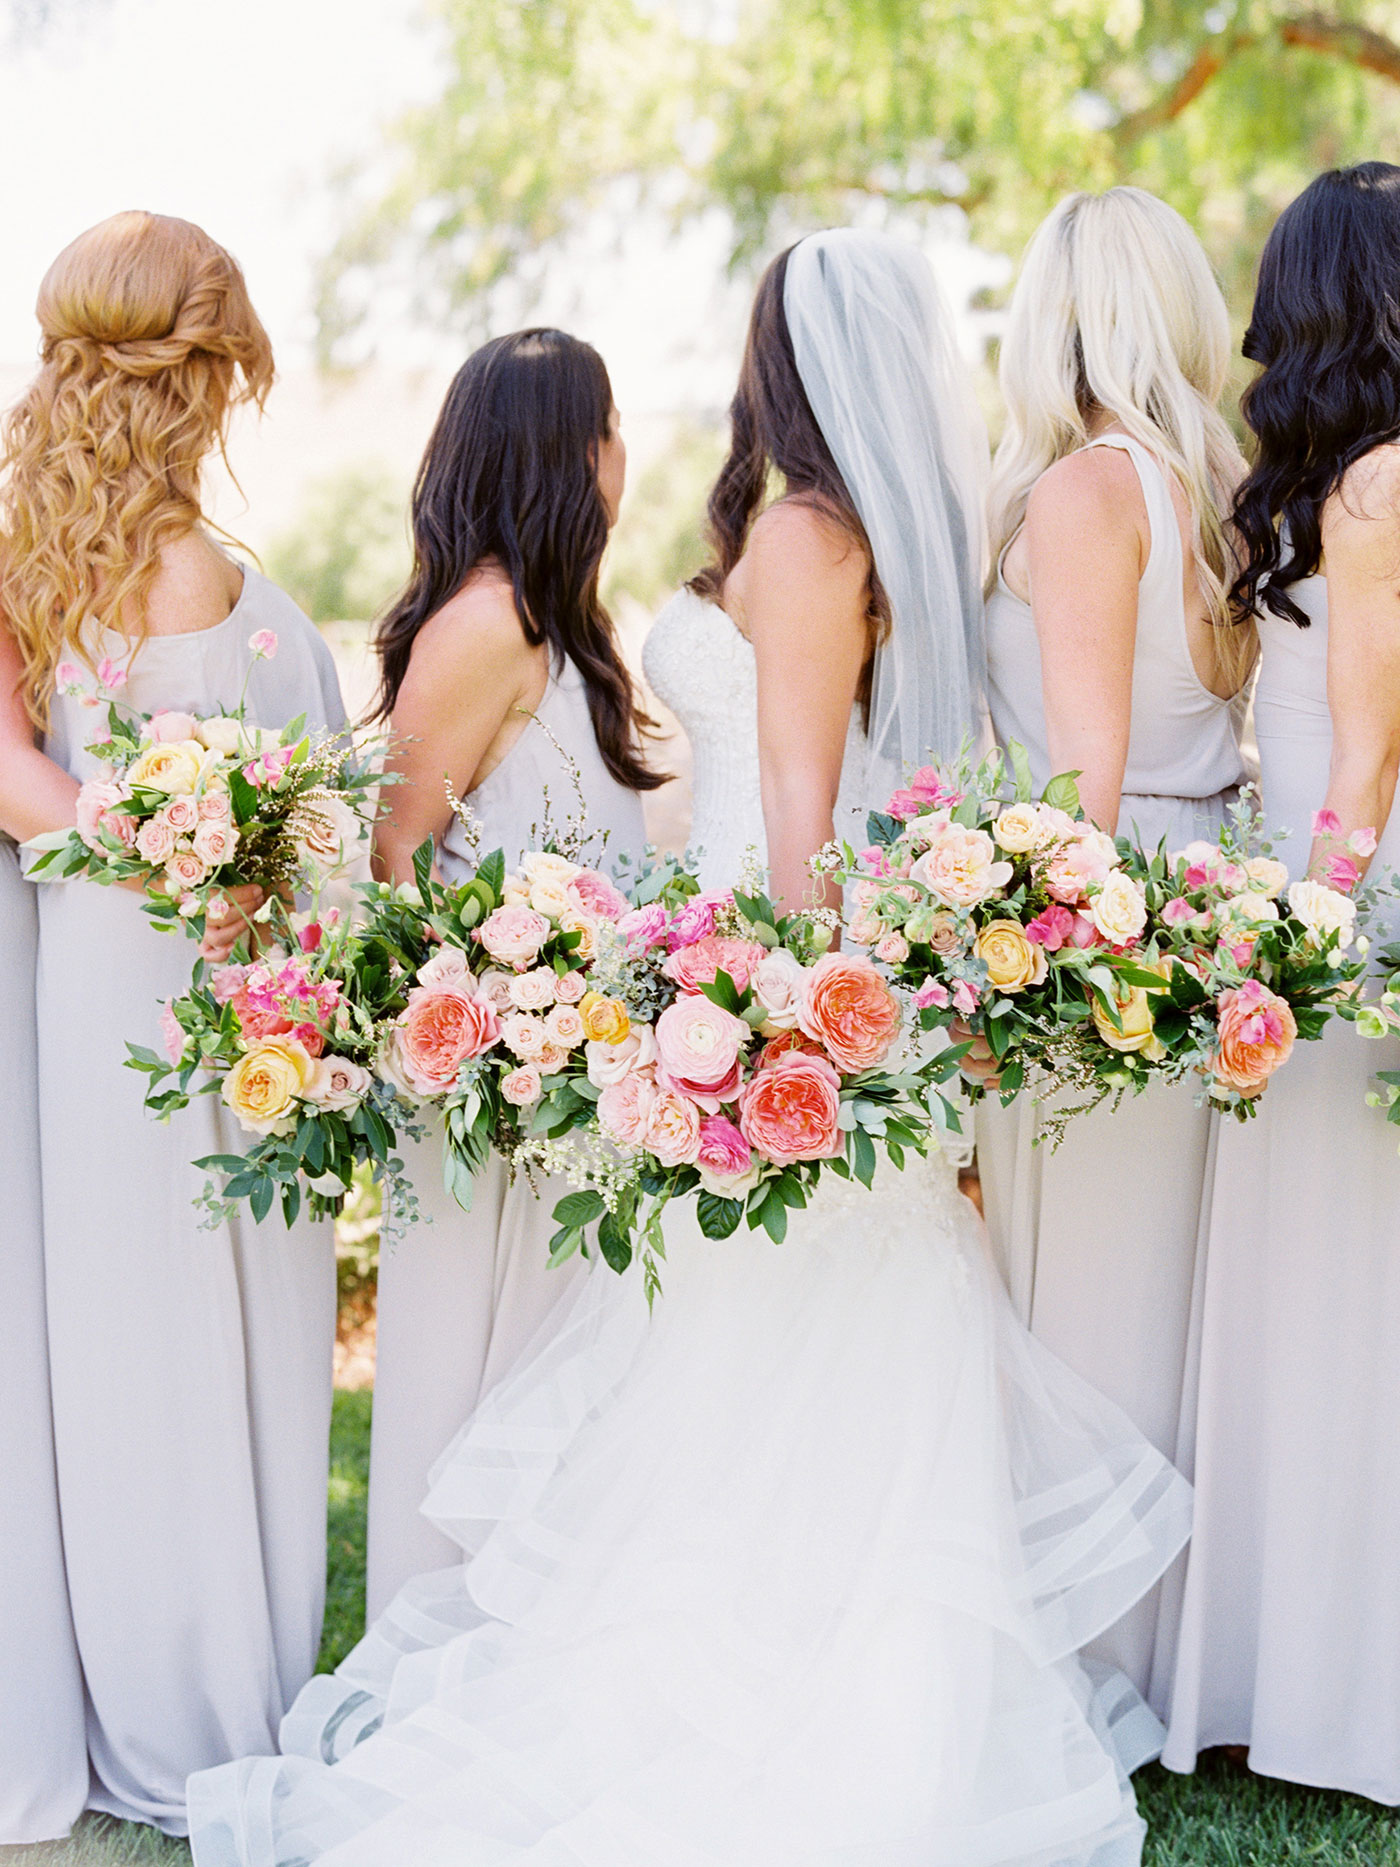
column 462, row 1295
column 191, row 1369
column 1097, row 1242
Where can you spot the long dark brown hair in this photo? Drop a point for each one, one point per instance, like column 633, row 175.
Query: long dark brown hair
column 511, row 476
column 772, row 428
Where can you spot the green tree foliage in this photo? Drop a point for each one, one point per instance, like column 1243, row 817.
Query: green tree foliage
column 348, row 552
column 793, row 113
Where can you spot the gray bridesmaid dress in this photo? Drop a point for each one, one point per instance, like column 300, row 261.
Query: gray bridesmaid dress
column 191, row 1368
column 43, row 1742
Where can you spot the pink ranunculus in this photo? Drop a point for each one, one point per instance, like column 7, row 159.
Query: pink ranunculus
column 514, row 936
column 181, row 813
column 695, row 920
column 849, row 1009
column 521, row 1087
column 698, row 1042
column 440, row 1029
column 725, row 1156
column 1052, row 928
column 791, row 1111
column 624, row 1108
column 1256, row 1030
column 169, row 727
column 673, row 1128
column 960, row 867
column 644, row 928
column 933, row 993
column 569, row 987
column 1178, row 912
column 97, row 799
column 215, row 843
column 594, row 894
column 155, row 842
column 693, row 966
column 172, row 1036
column 263, row 643
column 447, row 966
column 186, row 869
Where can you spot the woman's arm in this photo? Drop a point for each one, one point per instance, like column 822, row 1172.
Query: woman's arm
column 470, row 673
column 36, row 795
column 1361, row 550
column 1085, row 545
column 804, row 595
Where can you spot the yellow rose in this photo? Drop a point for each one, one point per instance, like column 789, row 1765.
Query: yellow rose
column 1019, row 829
column 1119, row 909
column 175, row 768
column 605, row 1020
column 263, row 1086
column 1013, row 962
column 1139, row 1031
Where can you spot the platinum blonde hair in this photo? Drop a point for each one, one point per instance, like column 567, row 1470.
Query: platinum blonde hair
column 1117, row 309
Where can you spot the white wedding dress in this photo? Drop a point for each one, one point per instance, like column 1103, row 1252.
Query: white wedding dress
column 790, row 1574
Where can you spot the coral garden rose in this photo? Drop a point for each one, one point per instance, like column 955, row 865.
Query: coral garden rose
column 1138, row 1033
column 961, row 867
column 791, row 1110
column 439, row 1030
column 533, row 990
column 782, row 1044
column 698, row 1043
column 609, row 1063
column 693, row 966
column 779, row 984
column 338, row 1084
column 1119, row 909
column 850, row 1010
column 521, row 1087
column 171, row 768
column 265, row 1084
column 625, row 1108
column 673, row 1128
column 725, row 1159
column 513, row 936
column 1256, row 1032
column 605, row 1020
column 1323, row 912
column 1013, row 961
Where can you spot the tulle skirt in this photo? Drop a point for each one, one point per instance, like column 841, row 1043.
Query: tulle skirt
column 791, row 1573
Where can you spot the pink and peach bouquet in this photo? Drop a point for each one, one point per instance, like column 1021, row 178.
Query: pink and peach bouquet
column 190, row 806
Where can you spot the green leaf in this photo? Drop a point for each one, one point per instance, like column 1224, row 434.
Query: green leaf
column 222, row 1163
column 563, row 1246
column 722, row 992
column 458, row 1179
column 1062, row 792
column 580, row 1208
column 491, row 872
column 1021, row 766
column 775, row 1220
column 260, row 1199
column 423, row 868
column 860, row 1150
column 718, row 1217
column 614, row 1242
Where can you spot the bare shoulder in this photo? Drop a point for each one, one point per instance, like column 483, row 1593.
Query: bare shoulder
column 1095, row 487
column 1363, row 515
column 479, row 627
column 795, row 546
column 195, row 586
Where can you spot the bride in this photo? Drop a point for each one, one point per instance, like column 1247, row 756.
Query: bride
column 793, row 1573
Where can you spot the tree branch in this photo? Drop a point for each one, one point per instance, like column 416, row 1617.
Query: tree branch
column 1345, row 40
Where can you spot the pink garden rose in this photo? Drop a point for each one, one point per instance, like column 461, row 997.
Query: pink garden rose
column 594, row 894
column 725, row 1158
column 624, row 1108
column 790, row 1111
column 673, row 1128
column 1256, row 1030
column 696, row 920
column 849, row 1009
column 698, row 1043
column 961, row 868
column 439, row 1030
column 513, row 936
column 644, row 928
column 521, row 1087
column 96, row 806
column 169, row 728
column 693, row 966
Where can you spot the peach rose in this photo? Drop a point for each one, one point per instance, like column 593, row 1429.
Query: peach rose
column 96, row 806
column 693, row 966
column 263, row 1087
column 513, row 936
column 569, row 987
column 338, row 1084
column 521, row 1087
column 215, row 843
column 1256, row 1034
column 172, row 768
column 673, row 1128
column 564, row 1026
column 448, row 966
column 533, row 990
column 181, row 813
column 439, row 1030
column 698, row 1043
column 624, row 1108
column 167, row 728
column 524, row 1036
column 961, row 867
column 1013, row 962
column 186, row 869
column 155, row 842
column 849, row 1008
column 790, row 1111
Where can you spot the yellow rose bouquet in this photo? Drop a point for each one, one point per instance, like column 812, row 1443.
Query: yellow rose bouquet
column 192, row 806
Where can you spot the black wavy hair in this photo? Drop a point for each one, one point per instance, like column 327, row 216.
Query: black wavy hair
column 1325, row 331
column 510, row 475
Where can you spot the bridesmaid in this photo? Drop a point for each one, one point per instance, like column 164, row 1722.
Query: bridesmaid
column 501, row 674
column 1109, row 654
column 190, row 1368
column 1290, row 1635
column 43, row 1748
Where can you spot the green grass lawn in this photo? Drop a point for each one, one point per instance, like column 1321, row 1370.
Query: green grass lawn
column 1220, row 1817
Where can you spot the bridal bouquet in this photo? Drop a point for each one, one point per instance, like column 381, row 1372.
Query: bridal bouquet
column 191, row 806
column 288, row 1041
column 1247, row 964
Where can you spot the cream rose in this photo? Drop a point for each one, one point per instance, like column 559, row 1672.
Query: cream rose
column 1266, row 875
column 265, row 1084
column 1019, row 829
column 1119, row 909
column 1323, row 911
column 779, row 984
column 324, row 830
column 173, row 768
column 220, row 734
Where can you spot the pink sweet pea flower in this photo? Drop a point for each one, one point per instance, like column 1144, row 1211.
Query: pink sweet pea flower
column 309, row 937
column 1362, row 843
column 931, row 993
column 1342, row 874
column 1326, row 823
column 874, row 862
column 172, row 1036
column 68, row 677
column 110, row 674
column 1052, row 928
column 263, row 643
column 268, row 767
column 1178, row 912
column 964, row 997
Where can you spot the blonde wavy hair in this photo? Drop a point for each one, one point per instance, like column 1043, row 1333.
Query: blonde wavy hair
column 149, row 341
column 1117, row 310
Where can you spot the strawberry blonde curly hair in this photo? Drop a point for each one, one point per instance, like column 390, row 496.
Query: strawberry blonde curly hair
column 149, row 341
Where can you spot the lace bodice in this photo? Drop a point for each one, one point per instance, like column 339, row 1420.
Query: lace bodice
column 704, row 670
